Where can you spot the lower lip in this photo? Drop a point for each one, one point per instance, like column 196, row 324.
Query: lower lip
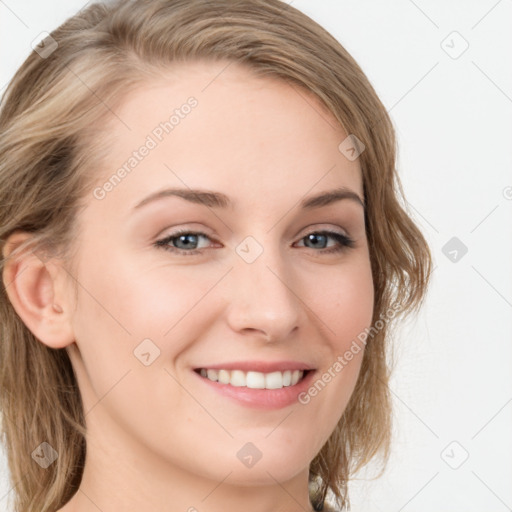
column 261, row 398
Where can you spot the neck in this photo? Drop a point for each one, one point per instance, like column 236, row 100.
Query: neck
column 120, row 475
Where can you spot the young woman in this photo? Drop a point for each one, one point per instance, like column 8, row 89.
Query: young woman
column 203, row 250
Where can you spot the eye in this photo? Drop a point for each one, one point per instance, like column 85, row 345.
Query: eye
column 320, row 239
column 182, row 242
column 186, row 242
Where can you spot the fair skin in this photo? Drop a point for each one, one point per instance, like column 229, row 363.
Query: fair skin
column 161, row 436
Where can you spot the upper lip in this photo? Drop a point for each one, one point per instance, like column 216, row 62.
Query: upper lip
column 259, row 366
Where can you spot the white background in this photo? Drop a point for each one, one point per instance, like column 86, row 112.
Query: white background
column 452, row 380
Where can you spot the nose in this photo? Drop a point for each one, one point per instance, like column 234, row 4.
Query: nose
column 262, row 299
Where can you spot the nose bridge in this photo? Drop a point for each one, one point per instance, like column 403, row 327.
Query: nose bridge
column 261, row 295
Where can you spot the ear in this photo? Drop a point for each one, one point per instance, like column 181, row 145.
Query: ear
column 37, row 289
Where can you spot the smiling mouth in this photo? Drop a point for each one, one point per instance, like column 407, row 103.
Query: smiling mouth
column 254, row 380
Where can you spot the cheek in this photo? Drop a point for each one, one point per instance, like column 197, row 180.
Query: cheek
column 121, row 304
column 124, row 312
column 346, row 309
column 347, row 304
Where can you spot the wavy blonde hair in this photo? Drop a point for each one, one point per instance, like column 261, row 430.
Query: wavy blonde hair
column 47, row 159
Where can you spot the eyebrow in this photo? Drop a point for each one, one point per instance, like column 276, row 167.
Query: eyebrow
column 220, row 200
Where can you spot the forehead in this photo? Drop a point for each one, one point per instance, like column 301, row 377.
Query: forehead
column 216, row 125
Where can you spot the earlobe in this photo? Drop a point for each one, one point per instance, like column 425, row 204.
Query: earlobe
column 35, row 288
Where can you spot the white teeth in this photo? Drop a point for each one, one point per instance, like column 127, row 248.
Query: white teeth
column 224, row 377
column 212, row 374
column 238, row 378
column 274, row 380
column 254, row 380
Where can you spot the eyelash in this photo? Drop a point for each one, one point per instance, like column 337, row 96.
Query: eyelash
column 344, row 242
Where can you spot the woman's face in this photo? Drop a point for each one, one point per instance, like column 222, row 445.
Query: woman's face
column 253, row 285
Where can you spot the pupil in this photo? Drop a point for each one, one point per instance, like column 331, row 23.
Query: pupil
column 183, row 238
column 314, row 238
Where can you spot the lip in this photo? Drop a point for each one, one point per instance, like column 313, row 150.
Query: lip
column 269, row 399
